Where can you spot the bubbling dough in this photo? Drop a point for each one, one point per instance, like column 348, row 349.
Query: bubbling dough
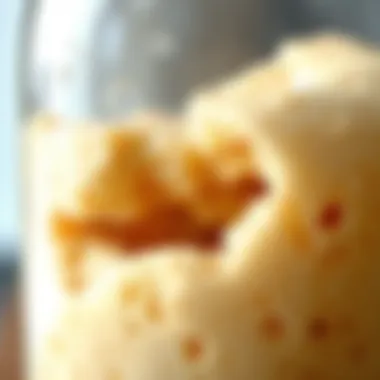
column 237, row 241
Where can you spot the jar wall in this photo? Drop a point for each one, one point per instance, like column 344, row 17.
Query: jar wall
column 103, row 58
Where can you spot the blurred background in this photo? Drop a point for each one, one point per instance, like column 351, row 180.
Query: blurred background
column 10, row 14
column 102, row 58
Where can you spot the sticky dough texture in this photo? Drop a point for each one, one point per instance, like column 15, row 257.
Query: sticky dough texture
column 287, row 297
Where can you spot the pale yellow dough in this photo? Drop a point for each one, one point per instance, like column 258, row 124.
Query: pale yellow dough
column 292, row 291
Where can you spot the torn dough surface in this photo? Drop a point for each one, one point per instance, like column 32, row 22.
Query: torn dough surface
column 280, row 162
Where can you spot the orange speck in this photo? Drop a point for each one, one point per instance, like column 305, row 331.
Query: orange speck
column 319, row 329
column 192, row 349
column 272, row 327
column 331, row 216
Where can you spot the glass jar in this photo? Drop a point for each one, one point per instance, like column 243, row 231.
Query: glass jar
column 102, row 58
